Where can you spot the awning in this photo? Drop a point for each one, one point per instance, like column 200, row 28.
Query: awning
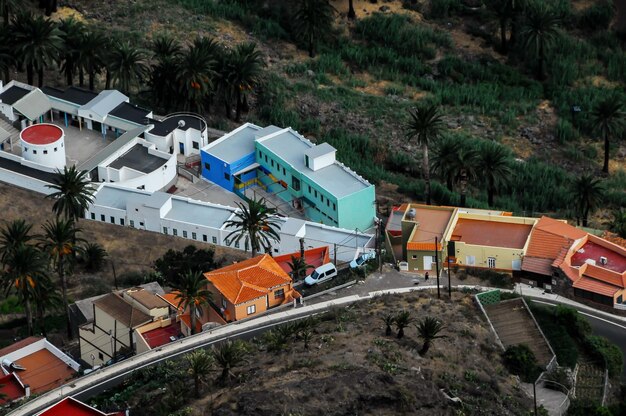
column 33, row 105
column 247, row 169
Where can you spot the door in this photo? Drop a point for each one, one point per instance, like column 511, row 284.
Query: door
column 428, row 262
column 516, row 265
column 470, row 260
column 491, row 262
column 182, row 148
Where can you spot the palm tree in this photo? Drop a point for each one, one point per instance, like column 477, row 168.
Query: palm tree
column 7, row 8
column 443, row 162
column 7, row 60
column 165, row 46
column 402, row 320
column 73, row 193
column 227, row 355
column 256, row 224
column 246, row 70
column 92, row 56
column 37, row 42
column 425, row 126
column 428, row 330
column 465, row 167
column 60, row 242
column 618, row 225
column 388, row 320
column 127, row 66
column 608, row 120
column 14, row 234
column 588, row 192
column 298, row 266
column 351, row 12
column 313, row 19
column 24, row 269
column 502, row 11
column 72, row 34
column 539, row 32
column 46, row 298
column 164, row 72
column 493, row 161
column 199, row 364
column 93, row 256
column 191, row 292
column 195, row 77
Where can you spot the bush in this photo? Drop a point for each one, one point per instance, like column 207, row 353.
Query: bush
column 130, row 279
column 520, row 360
column 576, row 325
column 565, row 131
column 604, row 350
column 560, row 376
column 557, row 331
column 443, row 8
column 495, row 279
column 598, row 16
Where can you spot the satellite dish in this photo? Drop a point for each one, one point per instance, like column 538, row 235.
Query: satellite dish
column 181, row 123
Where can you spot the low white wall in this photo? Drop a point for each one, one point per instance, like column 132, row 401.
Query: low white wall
column 24, row 181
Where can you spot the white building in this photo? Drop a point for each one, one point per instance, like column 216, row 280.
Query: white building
column 181, row 134
column 22, row 102
column 44, row 144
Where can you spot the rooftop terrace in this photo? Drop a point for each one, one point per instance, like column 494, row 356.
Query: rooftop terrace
column 138, row 158
column 491, row 233
column 592, row 251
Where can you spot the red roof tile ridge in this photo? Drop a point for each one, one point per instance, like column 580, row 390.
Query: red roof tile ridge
column 560, row 228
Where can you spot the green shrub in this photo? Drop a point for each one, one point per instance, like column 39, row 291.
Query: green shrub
column 605, row 351
column 557, row 328
column 494, row 278
column 129, row 279
column 598, row 16
column 443, row 8
column 11, row 305
column 520, row 360
column 565, row 131
column 576, row 324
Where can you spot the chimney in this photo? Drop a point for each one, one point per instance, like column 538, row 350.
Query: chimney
column 26, row 390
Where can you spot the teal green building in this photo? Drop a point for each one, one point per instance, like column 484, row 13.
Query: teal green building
column 310, row 178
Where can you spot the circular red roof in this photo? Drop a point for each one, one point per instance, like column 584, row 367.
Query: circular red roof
column 41, row 134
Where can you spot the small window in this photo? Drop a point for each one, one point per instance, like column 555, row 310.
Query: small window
column 224, row 303
column 121, row 221
column 194, row 236
column 26, row 149
column 102, row 217
column 132, row 223
column 315, row 193
column 100, row 356
column 214, row 239
column 328, row 202
column 295, row 183
column 55, row 149
column 251, row 309
column 204, row 238
column 334, row 207
column 306, row 160
column 174, row 231
column 284, row 171
column 414, row 256
column 141, row 224
column 93, row 216
column 280, row 293
column 112, row 220
column 61, row 144
column 265, row 158
column 195, row 145
column 227, row 176
column 45, row 152
column 207, row 166
column 309, row 188
column 184, row 234
column 164, row 230
column 260, row 154
column 34, row 152
column 272, row 163
column 322, row 196
column 491, row 262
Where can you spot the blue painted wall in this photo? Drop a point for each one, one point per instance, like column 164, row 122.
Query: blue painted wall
column 221, row 173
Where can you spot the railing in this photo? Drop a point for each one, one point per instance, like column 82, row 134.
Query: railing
column 620, row 306
column 564, row 405
column 480, row 305
column 605, row 388
column 188, row 113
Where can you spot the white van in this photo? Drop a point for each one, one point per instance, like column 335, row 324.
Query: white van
column 321, row 274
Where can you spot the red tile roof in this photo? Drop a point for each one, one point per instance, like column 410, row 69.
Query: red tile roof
column 18, row 345
column 595, row 286
column 491, row 233
column 314, row 256
column 10, row 388
column 247, row 280
column 605, row 275
column 172, row 299
column 161, row 336
column 72, row 407
column 537, row 265
column 549, row 236
column 44, row 371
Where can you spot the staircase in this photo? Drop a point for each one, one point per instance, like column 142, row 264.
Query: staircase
column 514, row 325
column 6, row 125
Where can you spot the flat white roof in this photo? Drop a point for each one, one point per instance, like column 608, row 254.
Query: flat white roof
column 234, row 145
column 312, row 231
column 201, row 213
column 113, row 197
column 336, row 179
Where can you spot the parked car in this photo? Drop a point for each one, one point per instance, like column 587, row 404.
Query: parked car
column 362, row 259
column 321, row 274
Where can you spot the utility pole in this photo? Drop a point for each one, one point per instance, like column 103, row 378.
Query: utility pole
column 377, row 242
column 437, row 267
column 380, row 256
column 302, row 247
column 449, row 278
column 335, row 254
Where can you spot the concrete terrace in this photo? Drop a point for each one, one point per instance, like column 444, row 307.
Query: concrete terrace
column 514, row 325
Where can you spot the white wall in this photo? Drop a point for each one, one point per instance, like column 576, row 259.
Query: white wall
column 38, row 346
column 54, row 159
column 24, row 181
column 7, row 111
column 162, row 143
column 187, row 137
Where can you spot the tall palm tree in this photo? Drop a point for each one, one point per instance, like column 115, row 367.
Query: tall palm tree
column 245, row 74
column 402, row 320
column 199, row 365
column 608, row 120
column 298, row 266
column 443, row 161
column 7, row 8
column 46, row 296
column 618, row 225
column 428, row 330
column 93, row 256
column 127, row 66
column 72, row 34
column 60, row 242
column 24, row 270
column 165, row 46
column 256, row 224
column 425, row 126
column 494, row 164
column 93, row 49
column 228, row 355
column 192, row 294
column 465, row 167
column 588, row 192
column 539, row 31
column 195, row 77
column 164, row 77
column 73, row 193
column 351, row 12
column 13, row 235
column 7, row 59
column 313, row 19
column 501, row 10
column 37, row 42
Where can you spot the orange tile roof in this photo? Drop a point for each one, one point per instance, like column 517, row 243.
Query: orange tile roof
column 314, row 256
column 412, row 245
column 18, row 345
column 44, row 371
column 187, row 321
column 171, row 299
column 491, row 233
column 605, row 275
column 595, row 286
column 550, row 236
column 249, row 279
column 537, row 265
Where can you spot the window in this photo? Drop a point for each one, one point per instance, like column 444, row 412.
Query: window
column 55, row 149
column 315, row 193
column 112, row 220
column 194, row 236
column 174, row 231
column 280, row 293
column 224, row 303
column 184, row 234
column 93, row 216
column 272, row 162
column 102, row 217
column 45, row 152
column 34, row 152
column 61, row 144
column 328, row 202
column 322, row 197
column 132, row 223
column 207, row 166
column 164, row 230
column 295, row 183
column 204, row 238
column 309, row 188
column 141, row 224
column 100, row 356
column 227, row 176
column 121, row 221
column 334, row 207
column 251, row 309
column 491, row 262
column 260, row 155
column 214, row 239
column 414, row 257
column 195, row 145
column 284, row 171
column 26, row 149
